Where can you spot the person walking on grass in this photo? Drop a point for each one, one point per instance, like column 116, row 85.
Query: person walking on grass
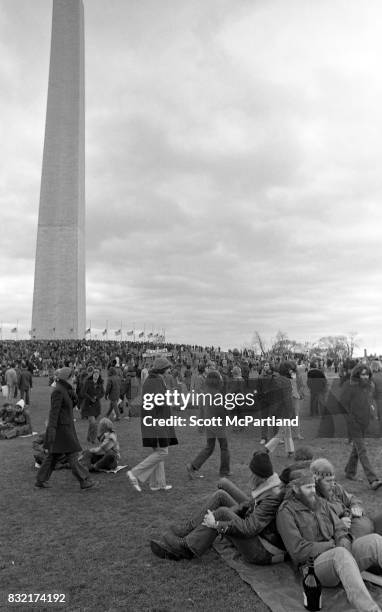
column 213, row 388
column 93, row 392
column 61, row 437
column 156, row 437
column 356, row 399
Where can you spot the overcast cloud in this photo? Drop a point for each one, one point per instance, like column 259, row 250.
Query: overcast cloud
column 233, row 166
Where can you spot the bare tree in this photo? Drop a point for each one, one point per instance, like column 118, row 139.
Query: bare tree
column 258, row 342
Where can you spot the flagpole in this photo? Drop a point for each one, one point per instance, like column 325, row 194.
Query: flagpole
column 90, row 327
column 107, row 330
column 133, row 332
column 121, row 332
column 17, row 329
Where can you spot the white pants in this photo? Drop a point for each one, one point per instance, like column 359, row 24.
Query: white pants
column 152, row 467
column 283, row 433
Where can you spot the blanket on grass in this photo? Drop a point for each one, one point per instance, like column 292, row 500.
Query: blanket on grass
column 280, row 587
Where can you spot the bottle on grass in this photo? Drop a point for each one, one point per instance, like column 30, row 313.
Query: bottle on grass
column 312, row 589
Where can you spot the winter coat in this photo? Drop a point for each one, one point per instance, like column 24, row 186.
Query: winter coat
column 258, row 515
column 113, row 388
column 25, row 381
column 61, row 436
column 356, row 401
column 308, row 533
column 283, row 392
column 316, row 381
column 92, row 393
column 154, row 436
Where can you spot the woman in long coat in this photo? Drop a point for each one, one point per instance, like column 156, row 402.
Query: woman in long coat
column 158, row 438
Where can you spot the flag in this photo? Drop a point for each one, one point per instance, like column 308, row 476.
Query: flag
column 141, row 335
column 14, row 330
column 104, row 332
column 88, row 330
column 156, row 336
column 53, row 329
column 118, row 332
column 130, row 332
column 150, row 335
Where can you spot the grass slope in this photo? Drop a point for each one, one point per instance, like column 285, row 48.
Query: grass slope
column 93, row 545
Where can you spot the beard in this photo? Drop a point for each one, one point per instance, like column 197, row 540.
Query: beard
column 309, row 500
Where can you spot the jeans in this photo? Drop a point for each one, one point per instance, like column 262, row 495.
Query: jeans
column 24, row 394
column 113, row 406
column 92, row 430
column 49, row 463
column 283, row 432
column 207, row 452
column 153, row 468
column 359, row 452
column 108, row 461
column 339, row 565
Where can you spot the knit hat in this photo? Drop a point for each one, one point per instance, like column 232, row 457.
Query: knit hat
column 161, row 364
column 261, row 464
column 321, row 467
column 21, row 403
column 64, row 373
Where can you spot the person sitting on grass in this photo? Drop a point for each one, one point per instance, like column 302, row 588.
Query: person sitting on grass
column 347, row 507
column 105, row 456
column 248, row 522
column 310, row 529
column 15, row 421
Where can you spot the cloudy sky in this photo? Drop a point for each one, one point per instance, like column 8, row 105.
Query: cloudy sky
column 233, row 154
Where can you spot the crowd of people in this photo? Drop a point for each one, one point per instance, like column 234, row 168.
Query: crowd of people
column 300, row 514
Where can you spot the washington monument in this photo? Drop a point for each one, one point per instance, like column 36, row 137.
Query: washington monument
column 59, row 309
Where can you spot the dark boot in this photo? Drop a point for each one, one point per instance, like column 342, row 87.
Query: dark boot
column 177, row 546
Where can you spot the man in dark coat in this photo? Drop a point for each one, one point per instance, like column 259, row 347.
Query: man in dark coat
column 25, row 383
column 61, row 437
column 356, row 398
column 317, row 384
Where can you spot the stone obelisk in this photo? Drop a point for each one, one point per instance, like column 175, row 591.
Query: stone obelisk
column 59, row 309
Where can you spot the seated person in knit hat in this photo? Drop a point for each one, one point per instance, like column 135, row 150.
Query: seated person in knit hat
column 105, row 456
column 310, row 529
column 248, row 522
column 346, row 506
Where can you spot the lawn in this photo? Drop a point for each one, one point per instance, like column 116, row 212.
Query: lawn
column 93, row 546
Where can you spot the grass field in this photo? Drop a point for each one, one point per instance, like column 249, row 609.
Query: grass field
column 92, row 545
